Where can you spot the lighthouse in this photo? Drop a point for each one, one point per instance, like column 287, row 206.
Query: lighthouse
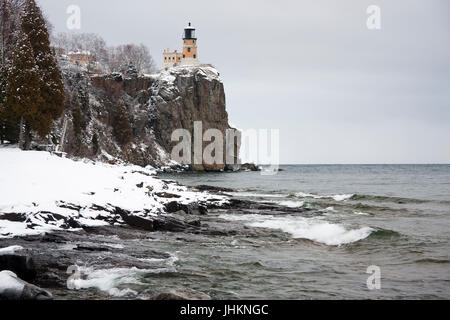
column 188, row 56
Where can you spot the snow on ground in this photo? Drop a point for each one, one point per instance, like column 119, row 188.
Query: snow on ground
column 169, row 76
column 35, row 183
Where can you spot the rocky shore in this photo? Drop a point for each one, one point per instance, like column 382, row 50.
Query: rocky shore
column 39, row 266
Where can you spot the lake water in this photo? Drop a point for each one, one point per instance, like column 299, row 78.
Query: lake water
column 393, row 217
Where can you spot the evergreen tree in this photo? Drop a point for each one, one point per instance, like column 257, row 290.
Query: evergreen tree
column 5, row 30
column 52, row 89
column 79, row 123
column 122, row 127
column 95, row 146
column 9, row 130
column 23, row 92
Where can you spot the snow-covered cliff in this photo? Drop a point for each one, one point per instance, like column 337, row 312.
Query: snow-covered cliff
column 155, row 105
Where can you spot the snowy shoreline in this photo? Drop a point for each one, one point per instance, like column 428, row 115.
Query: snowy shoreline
column 41, row 192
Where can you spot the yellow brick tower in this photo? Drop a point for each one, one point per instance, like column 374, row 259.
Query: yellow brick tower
column 190, row 54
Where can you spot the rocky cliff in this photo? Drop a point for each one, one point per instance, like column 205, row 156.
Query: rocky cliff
column 155, row 105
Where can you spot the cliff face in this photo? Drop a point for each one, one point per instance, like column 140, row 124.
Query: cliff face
column 183, row 96
column 155, row 105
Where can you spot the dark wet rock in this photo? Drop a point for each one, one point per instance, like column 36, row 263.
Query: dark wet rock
column 212, row 188
column 135, row 221
column 88, row 247
column 167, row 195
column 181, row 294
column 174, row 206
column 16, row 217
column 63, row 221
column 166, row 223
column 193, row 208
column 21, row 265
column 14, row 288
column 262, row 207
column 159, row 223
column 53, row 237
column 193, row 221
column 217, row 232
column 249, row 167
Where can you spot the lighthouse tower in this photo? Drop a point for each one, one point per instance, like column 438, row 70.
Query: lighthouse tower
column 190, row 54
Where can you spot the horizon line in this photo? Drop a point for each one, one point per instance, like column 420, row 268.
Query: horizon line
column 358, row 164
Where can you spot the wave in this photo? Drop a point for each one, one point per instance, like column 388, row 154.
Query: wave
column 290, row 203
column 337, row 197
column 110, row 281
column 120, row 282
column 305, row 228
column 384, row 233
column 399, row 200
column 256, row 195
column 432, row 260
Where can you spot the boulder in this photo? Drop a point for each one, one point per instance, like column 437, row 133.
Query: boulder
column 160, row 223
column 92, row 248
column 181, row 294
column 213, row 188
column 167, row 195
column 192, row 208
column 14, row 288
column 22, row 265
column 249, row 167
column 171, row 224
column 135, row 221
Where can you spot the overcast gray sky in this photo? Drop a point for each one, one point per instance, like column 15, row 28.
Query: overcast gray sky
column 338, row 92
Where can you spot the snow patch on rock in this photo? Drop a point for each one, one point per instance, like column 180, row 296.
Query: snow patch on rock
column 48, row 192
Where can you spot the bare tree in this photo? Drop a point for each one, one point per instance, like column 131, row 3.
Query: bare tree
column 112, row 59
column 138, row 55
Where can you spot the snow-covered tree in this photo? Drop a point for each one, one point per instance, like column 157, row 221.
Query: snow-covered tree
column 23, row 92
column 52, row 90
column 10, row 11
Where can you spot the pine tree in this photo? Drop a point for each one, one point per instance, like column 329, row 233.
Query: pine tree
column 8, row 25
column 95, row 146
column 52, row 90
column 23, row 92
column 122, row 127
column 5, row 31
column 79, row 123
column 9, row 127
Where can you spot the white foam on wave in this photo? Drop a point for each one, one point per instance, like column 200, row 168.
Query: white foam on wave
column 337, row 197
column 256, row 195
column 289, row 203
column 313, row 229
column 117, row 281
column 342, row 197
column 114, row 281
column 361, row 213
column 170, row 262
